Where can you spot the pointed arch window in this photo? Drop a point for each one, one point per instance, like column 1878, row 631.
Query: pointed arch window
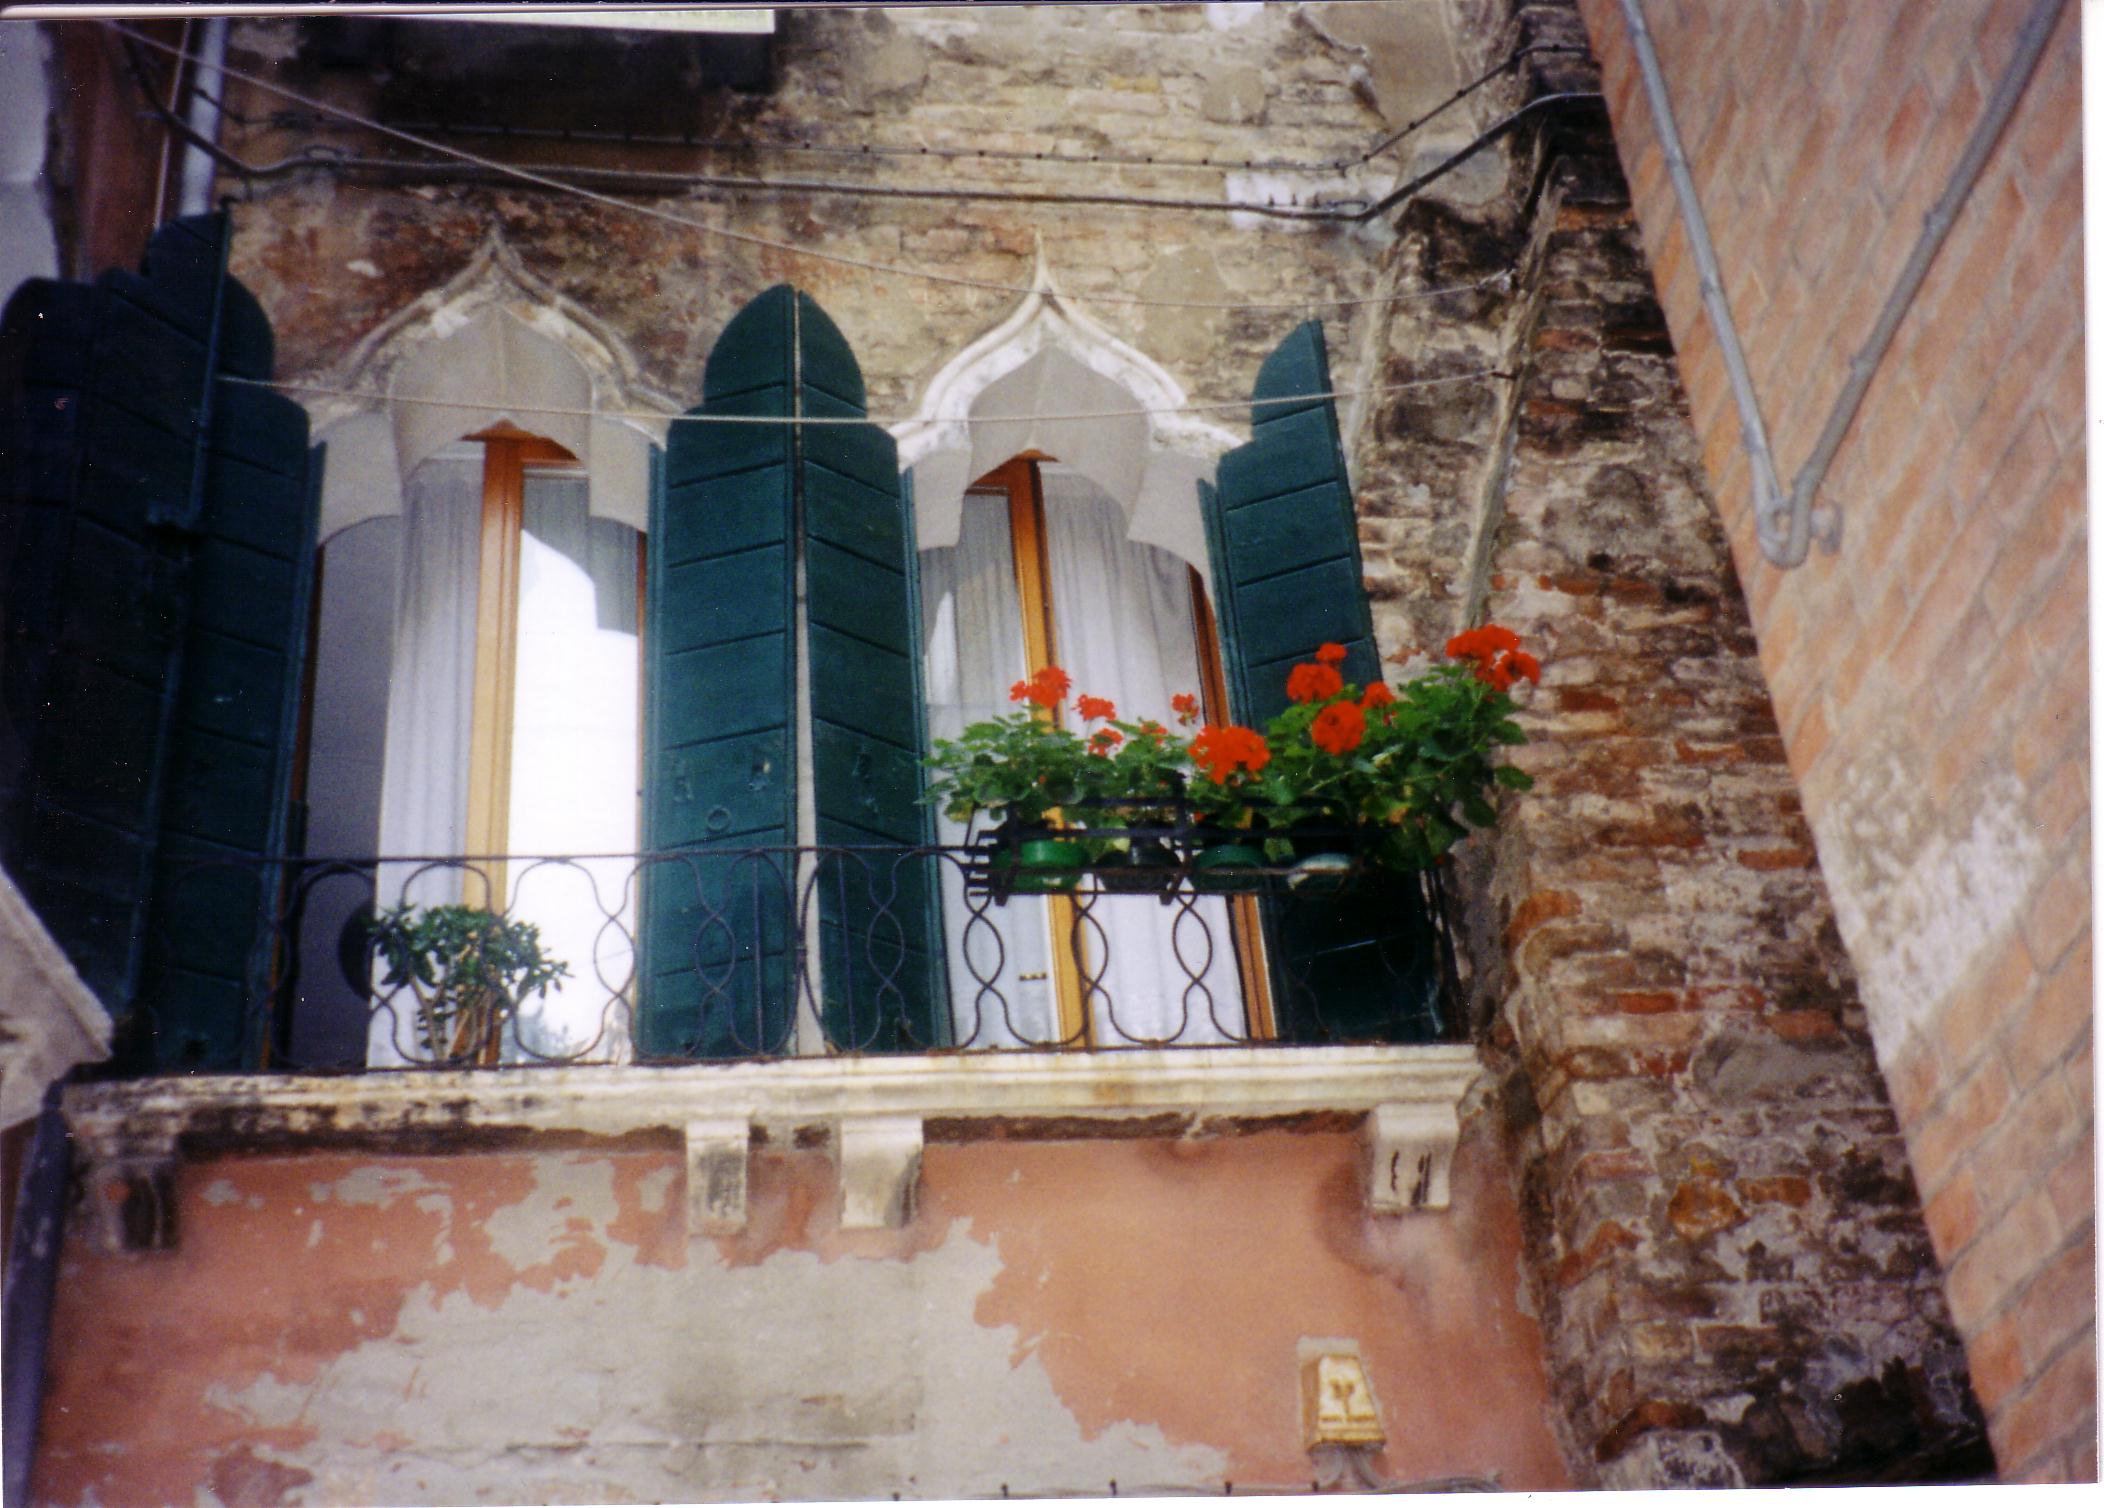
column 474, row 692
column 1044, row 571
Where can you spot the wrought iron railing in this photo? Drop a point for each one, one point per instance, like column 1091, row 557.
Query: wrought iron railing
column 725, row 952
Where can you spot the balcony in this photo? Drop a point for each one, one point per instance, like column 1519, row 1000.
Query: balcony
column 823, row 1021
column 804, row 951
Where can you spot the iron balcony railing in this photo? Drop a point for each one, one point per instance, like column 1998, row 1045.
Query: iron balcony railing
column 715, row 953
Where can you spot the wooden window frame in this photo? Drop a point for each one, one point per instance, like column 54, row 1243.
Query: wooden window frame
column 507, row 454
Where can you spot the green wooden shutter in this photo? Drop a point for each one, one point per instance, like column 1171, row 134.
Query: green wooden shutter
column 738, row 505
column 162, row 529
column 1286, row 579
column 880, row 947
column 1285, row 543
column 720, row 692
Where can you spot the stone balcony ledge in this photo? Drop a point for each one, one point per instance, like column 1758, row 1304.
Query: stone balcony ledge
column 874, row 1112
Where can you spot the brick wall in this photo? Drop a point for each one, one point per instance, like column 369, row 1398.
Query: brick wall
column 1930, row 679
column 1734, row 1276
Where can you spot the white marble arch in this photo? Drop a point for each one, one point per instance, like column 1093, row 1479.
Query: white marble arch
column 500, row 339
column 1015, row 383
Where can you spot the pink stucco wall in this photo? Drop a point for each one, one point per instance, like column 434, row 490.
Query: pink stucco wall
column 535, row 1326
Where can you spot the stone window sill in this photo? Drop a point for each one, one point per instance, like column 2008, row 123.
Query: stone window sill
column 874, row 1112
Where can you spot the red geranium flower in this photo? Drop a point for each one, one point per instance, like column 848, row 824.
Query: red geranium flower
column 1093, row 707
column 1338, row 728
column 1103, row 740
column 1499, row 659
column 1377, row 695
column 1225, row 749
column 1312, row 682
column 1482, row 643
column 1330, row 654
column 1152, row 731
column 1185, row 706
column 1048, row 688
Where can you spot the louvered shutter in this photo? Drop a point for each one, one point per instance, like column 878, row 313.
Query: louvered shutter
column 879, row 947
column 163, row 522
column 1286, row 579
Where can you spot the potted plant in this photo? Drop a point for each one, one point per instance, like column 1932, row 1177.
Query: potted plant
column 468, row 970
column 1020, row 768
column 1229, row 797
column 1134, row 783
column 1409, row 770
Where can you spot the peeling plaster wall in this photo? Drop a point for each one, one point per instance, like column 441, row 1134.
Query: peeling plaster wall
column 1057, row 1317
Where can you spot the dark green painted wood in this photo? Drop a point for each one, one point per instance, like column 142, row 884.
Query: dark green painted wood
column 880, row 943
column 167, row 522
column 733, row 505
column 716, row 958
column 1286, row 545
column 209, row 944
column 1287, row 578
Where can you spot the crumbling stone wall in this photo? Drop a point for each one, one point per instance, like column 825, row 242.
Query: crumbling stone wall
column 1931, row 678
column 335, row 256
column 1736, row 1283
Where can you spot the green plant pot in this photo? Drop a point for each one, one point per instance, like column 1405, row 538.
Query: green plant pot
column 1227, row 867
column 1147, row 868
column 1048, row 866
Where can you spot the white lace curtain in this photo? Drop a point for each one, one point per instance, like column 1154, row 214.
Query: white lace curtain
column 573, row 738
column 1122, row 627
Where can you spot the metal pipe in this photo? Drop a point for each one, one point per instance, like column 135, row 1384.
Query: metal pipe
column 1769, row 505
column 202, row 120
column 32, row 1279
column 652, row 181
column 1935, row 229
column 1786, row 524
column 655, row 181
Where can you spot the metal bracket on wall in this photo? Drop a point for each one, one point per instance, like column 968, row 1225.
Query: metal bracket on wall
column 1787, row 522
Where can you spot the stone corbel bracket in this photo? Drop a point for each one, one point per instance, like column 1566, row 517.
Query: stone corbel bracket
column 877, row 1113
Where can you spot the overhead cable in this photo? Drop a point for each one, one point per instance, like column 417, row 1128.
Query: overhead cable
column 1054, row 158
column 1306, row 302
column 656, row 416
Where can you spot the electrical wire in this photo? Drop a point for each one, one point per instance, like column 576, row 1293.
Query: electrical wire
column 766, row 243
column 294, row 120
column 655, row 416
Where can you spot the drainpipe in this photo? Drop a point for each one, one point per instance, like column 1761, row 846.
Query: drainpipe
column 207, row 86
column 32, row 1277
column 1787, row 523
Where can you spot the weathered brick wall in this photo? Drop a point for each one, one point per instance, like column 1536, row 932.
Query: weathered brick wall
column 1735, row 1280
column 1931, row 679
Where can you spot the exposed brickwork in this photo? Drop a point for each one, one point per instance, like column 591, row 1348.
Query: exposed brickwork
column 1930, row 679
column 1733, row 1270
column 1735, row 1278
